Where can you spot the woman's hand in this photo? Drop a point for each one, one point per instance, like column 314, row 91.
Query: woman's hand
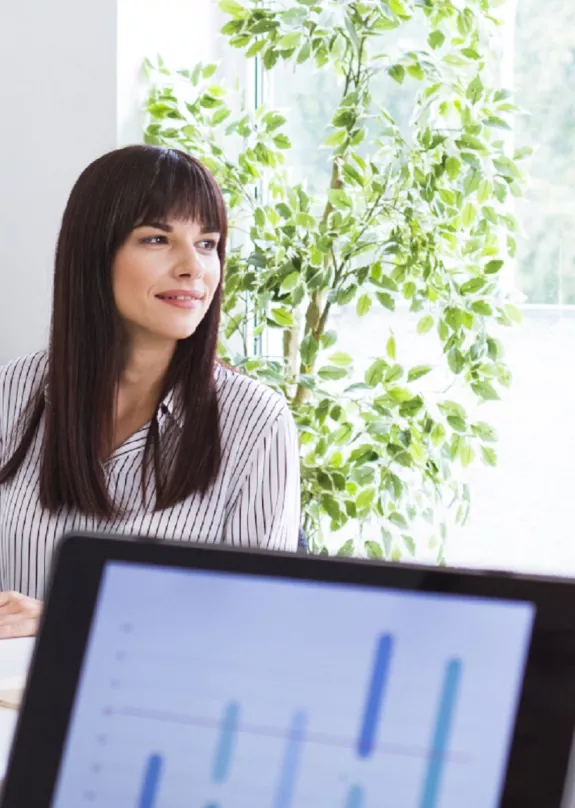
column 19, row 615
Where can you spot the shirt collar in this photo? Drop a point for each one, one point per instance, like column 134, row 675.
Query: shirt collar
column 172, row 405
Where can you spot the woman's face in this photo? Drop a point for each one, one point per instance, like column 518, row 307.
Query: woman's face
column 164, row 278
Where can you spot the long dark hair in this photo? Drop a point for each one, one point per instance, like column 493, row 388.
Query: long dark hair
column 116, row 193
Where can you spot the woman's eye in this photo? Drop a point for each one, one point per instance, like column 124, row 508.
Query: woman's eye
column 208, row 244
column 155, row 240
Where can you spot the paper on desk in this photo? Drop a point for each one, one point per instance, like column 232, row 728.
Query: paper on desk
column 14, row 662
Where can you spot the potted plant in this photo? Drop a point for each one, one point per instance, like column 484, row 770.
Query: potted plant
column 417, row 223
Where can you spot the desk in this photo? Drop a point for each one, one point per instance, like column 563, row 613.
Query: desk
column 14, row 661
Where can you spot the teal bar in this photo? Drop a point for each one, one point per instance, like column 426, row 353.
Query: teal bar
column 355, row 797
column 290, row 766
column 441, row 734
column 226, row 742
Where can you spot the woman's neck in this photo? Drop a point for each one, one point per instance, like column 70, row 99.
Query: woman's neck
column 146, row 368
column 139, row 389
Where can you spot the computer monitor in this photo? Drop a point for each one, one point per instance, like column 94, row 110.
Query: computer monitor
column 177, row 676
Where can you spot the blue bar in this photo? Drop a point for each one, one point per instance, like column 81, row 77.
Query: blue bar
column 291, row 761
column 226, row 742
column 376, row 692
column 151, row 782
column 440, row 743
column 355, row 797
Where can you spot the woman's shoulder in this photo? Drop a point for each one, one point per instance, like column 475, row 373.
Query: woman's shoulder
column 19, row 379
column 250, row 397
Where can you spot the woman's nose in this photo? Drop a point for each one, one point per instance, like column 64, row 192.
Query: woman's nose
column 190, row 264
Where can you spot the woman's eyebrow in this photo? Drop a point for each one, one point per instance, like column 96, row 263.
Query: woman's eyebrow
column 167, row 228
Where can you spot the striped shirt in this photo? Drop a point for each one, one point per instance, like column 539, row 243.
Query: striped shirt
column 255, row 500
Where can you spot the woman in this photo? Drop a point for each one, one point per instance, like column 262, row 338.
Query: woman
column 127, row 424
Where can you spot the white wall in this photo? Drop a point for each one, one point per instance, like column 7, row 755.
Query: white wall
column 71, row 91
column 57, row 62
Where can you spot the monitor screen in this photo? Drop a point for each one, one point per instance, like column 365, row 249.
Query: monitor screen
column 225, row 690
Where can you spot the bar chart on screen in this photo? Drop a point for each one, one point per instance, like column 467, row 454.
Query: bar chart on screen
column 383, row 705
column 298, row 734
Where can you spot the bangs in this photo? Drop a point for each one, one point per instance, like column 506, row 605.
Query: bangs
column 182, row 189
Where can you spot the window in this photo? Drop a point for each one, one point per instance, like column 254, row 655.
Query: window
column 523, row 510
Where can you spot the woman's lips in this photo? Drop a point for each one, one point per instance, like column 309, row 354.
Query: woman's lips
column 181, row 301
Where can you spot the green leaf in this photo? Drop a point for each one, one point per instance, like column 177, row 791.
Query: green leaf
column 472, row 286
column 233, row 8
column 273, row 120
column 308, row 349
column 436, row 39
column 328, row 339
column 468, row 215
column 492, row 267
column 416, row 71
column 339, row 198
column 483, row 308
column 409, row 542
column 304, row 53
column 398, row 519
column 400, row 394
column 373, row 550
column 386, row 300
column 484, row 432
column 452, row 408
column 374, row 374
column 474, row 90
column 437, row 434
column 282, row 316
column 336, row 138
column 425, row 324
column 270, row 57
column 260, row 217
column 347, row 549
column 351, row 174
column 453, row 167
column 391, row 347
column 513, row 313
column 331, row 372
column 484, row 191
column 294, row 16
column 290, row 282
column 418, row 371
column 365, row 499
column 498, row 123
column 363, row 305
column 466, row 454
column 507, row 168
column 343, row 434
column 290, row 41
column 256, row 47
column 485, row 390
column 457, row 423
column 209, row 70
column 489, row 456
column 282, row 141
column 471, row 181
column 397, row 73
column 341, row 359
